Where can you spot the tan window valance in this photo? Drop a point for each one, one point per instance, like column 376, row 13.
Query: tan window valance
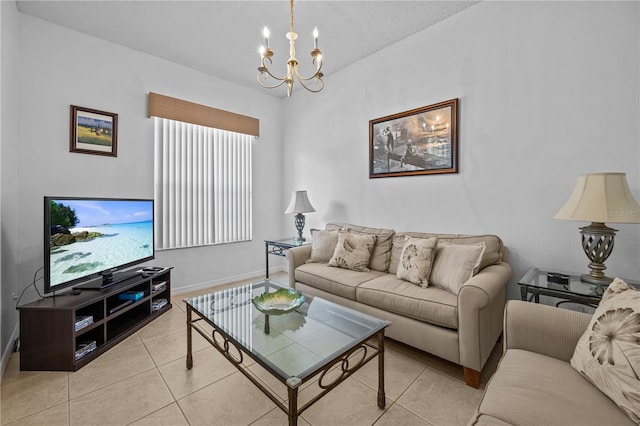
column 189, row 112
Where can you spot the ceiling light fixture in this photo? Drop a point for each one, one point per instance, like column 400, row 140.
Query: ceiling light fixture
column 292, row 64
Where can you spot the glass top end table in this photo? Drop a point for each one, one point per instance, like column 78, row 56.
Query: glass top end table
column 535, row 283
column 295, row 347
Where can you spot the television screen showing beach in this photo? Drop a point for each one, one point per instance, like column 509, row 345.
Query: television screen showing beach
column 91, row 236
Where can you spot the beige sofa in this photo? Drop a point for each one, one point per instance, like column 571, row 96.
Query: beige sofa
column 534, row 383
column 461, row 328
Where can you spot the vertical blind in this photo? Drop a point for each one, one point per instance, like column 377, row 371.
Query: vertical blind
column 202, row 185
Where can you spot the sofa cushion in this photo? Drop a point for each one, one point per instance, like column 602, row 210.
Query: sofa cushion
column 608, row 353
column 381, row 254
column 353, row 251
column 323, row 244
column 338, row 281
column 431, row 304
column 455, row 264
column 533, row 389
column 492, row 253
column 416, row 260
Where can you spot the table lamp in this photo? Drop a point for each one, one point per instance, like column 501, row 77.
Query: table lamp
column 299, row 204
column 599, row 198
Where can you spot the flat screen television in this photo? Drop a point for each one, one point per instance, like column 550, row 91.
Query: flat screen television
column 88, row 240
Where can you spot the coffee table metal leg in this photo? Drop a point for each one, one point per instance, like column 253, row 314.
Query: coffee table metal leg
column 381, row 396
column 293, row 405
column 189, row 355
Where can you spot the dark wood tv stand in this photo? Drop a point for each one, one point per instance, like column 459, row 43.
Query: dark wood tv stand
column 49, row 340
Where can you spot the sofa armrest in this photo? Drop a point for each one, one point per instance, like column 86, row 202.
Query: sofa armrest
column 481, row 303
column 543, row 329
column 297, row 256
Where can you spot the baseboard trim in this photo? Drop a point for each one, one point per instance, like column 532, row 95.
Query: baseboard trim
column 6, row 353
column 224, row 281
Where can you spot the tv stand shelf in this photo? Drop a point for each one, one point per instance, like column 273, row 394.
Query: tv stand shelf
column 49, row 340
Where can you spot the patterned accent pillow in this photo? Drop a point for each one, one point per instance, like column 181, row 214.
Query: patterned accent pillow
column 608, row 353
column 455, row 264
column 416, row 260
column 353, row 251
column 323, row 244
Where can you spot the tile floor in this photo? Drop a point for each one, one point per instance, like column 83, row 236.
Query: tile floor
column 143, row 381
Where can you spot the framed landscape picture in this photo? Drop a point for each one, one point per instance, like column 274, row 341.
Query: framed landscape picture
column 93, row 132
column 417, row 142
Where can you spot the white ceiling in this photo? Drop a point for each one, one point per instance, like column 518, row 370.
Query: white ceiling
column 222, row 37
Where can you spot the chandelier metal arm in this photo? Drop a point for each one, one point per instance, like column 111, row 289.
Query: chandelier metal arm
column 317, row 77
column 264, row 71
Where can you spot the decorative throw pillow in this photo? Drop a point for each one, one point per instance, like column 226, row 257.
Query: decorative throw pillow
column 353, row 251
column 608, row 353
column 455, row 264
column 323, row 244
column 416, row 260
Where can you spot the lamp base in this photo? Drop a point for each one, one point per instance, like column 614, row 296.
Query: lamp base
column 299, row 220
column 597, row 242
column 601, row 281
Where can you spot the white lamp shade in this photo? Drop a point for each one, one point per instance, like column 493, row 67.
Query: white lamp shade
column 601, row 197
column 299, row 203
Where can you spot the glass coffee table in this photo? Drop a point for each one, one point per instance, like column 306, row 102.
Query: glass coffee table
column 319, row 339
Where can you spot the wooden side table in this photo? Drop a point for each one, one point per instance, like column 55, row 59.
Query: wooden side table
column 534, row 283
column 279, row 248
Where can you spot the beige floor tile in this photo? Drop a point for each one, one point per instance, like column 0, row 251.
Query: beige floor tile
column 111, row 367
column 13, row 373
column 400, row 371
column 24, row 395
column 129, row 342
column 177, row 302
column 274, row 384
column 276, row 417
column 350, row 403
column 54, row 416
column 122, row 402
column 167, row 323
column 167, row 416
column 173, row 346
column 440, row 399
column 209, row 366
column 231, row 401
column 396, row 415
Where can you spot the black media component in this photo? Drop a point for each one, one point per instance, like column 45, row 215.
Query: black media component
column 558, row 278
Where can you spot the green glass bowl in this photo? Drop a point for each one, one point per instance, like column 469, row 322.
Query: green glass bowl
column 283, row 301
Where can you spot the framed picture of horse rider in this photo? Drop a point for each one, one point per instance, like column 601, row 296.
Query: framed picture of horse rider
column 422, row 141
column 93, row 132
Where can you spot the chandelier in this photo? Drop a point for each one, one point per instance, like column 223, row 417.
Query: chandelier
column 313, row 84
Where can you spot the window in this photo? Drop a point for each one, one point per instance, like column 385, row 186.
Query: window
column 202, row 185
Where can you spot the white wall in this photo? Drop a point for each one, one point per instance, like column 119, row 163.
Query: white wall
column 60, row 67
column 548, row 91
column 9, row 135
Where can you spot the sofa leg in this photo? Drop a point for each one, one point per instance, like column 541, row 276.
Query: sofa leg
column 471, row 377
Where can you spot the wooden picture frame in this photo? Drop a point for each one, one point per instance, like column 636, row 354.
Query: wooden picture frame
column 421, row 141
column 93, row 132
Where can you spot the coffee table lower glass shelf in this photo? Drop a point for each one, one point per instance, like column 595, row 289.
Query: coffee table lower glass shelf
column 320, row 339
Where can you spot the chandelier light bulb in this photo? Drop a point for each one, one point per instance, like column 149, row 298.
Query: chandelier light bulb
column 315, row 38
column 265, row 33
